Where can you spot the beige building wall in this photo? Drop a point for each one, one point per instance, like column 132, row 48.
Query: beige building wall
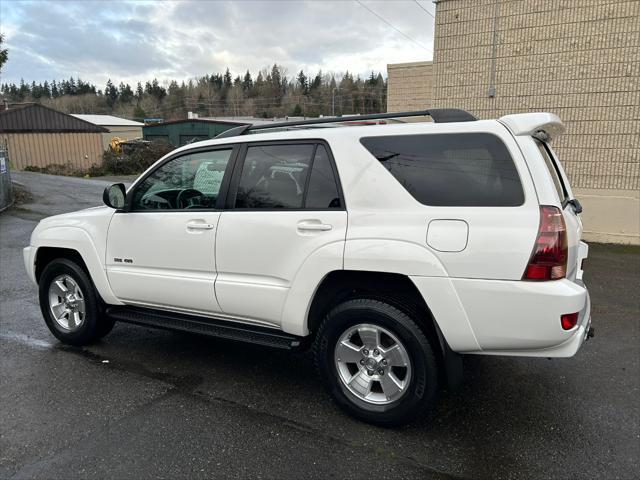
column 410, row 86
column 123, row 133
column 41, row 149
column 579, row 59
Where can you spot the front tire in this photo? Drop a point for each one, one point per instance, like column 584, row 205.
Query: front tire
column 70, row 305
column 376, row 363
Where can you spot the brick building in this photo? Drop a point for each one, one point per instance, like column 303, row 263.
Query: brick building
column 409, row 84
column 577, row 58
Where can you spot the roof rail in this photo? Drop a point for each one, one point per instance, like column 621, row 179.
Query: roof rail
column 438, row 115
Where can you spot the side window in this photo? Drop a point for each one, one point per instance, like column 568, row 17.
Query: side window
column 457, row 169
column 274, row 176
column 187, row 182
column 553, row 171
column 323, row 189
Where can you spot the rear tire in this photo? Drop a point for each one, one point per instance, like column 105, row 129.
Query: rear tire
column 376, row 362
column 70, row 305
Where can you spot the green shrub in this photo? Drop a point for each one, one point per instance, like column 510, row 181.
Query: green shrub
column 134, row 159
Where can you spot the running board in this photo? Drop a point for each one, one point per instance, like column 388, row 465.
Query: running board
column 205, row 326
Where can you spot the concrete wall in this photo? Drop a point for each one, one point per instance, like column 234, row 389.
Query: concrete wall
column 123, row 133
column 610, row 216
column 577, row 58
column 410, row 86
column 41, row 149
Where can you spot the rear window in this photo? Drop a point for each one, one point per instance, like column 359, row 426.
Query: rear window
column 453, row 169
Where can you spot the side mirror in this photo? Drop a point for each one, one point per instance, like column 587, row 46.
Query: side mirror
column 114, row 196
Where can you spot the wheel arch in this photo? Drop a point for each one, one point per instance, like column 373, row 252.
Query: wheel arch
column 75, row 244
column 45, row 255
column 395, row 289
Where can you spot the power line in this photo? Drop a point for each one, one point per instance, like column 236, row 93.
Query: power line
column 428, row 12
column 392, row 26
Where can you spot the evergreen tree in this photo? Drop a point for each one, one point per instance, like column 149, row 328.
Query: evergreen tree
column 139, row 92
column 227, row 79
column 4, row 54
column 111, row 93
column 247, row 83
column 302, row 83
column 23, row 91
column 138, row 112
column 125, row 93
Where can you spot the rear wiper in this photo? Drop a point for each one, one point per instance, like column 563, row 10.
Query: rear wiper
column 387, row 157
column 577, row 206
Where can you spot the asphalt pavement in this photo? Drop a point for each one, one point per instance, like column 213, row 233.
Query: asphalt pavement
column 147, row 403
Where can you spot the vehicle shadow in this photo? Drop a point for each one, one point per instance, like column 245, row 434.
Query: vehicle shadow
column 507, row 408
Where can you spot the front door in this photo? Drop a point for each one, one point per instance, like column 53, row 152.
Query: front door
column 284, row 206
column 161, row 249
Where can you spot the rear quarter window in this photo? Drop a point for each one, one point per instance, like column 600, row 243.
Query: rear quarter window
column 553, row 171
column 465, row 169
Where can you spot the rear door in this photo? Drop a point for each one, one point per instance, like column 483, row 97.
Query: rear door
column 571, row 218
column 284, row 204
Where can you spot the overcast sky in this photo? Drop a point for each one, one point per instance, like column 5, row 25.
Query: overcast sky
column 137, row 40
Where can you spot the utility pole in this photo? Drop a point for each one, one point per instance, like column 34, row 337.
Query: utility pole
column 333, row 101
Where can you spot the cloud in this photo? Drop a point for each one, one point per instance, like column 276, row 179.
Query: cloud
column 135, row 41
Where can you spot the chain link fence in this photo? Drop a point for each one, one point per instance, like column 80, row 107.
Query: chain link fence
column 6, row 190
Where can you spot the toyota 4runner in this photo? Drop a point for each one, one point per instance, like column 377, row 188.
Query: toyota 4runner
column 390, row 249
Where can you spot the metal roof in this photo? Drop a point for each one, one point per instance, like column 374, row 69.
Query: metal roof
column 36, row 118
column 107, row 120
column 196, row 120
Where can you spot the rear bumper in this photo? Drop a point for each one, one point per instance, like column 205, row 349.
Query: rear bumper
column 508, row 317
column 567, row 348
column 523, row 318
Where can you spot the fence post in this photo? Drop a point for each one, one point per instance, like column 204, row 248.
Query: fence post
column 6, row 189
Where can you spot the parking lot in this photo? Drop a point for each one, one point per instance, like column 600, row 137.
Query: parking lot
column 146, row 403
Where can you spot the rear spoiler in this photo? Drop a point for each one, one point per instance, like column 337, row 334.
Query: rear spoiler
column 541, row 125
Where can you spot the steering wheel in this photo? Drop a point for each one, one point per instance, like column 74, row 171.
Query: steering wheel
column 153, row 201
column 185, row 195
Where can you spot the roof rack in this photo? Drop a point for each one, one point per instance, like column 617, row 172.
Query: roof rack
column 438, row 115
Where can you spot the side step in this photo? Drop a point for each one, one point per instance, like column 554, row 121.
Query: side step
column 205, row 326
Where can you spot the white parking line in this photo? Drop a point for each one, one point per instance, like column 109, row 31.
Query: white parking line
column 26, row 340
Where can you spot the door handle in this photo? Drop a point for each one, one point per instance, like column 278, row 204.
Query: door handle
column 314, row 226
column 199, row 226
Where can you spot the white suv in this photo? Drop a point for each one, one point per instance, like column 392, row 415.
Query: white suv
column 392, row 249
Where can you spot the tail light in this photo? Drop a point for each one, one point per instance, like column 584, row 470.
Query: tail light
column 549, row 258
column 569, row 320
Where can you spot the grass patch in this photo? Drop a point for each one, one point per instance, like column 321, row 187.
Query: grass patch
column 20, row 195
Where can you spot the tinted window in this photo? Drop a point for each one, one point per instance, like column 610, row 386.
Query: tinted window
column 323, row 190
column 466, row 169
column 274, row 176
column 553, row 171
column 191, row 181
